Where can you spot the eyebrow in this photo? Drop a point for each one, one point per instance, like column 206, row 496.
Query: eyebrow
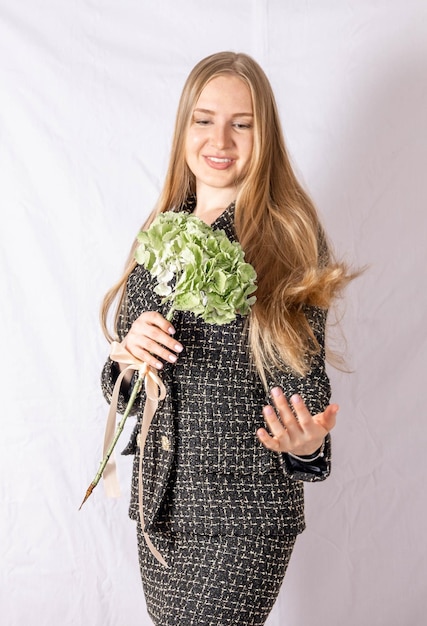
column 209, row 112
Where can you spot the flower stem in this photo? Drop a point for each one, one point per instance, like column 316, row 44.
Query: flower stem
column 119, row 430
column 169, row 314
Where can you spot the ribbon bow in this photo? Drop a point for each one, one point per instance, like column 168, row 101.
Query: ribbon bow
column 154, row 390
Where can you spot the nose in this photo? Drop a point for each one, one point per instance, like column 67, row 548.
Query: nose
column 220, row 136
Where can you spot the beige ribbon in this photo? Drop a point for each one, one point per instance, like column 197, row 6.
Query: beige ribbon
column 154, row 391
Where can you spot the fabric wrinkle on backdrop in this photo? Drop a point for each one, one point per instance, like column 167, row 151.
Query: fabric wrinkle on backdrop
column 88, row 95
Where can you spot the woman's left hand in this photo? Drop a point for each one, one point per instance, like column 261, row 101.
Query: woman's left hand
column 299, row 433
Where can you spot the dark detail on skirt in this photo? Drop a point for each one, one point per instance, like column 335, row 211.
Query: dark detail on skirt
column 216, row 580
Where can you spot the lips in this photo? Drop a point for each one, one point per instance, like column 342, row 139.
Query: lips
column 219, row 163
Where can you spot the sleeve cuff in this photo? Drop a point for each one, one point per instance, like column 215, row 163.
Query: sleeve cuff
column 312, row 468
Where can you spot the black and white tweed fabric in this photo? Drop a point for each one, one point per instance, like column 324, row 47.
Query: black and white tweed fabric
column 208, row 481
column 231, row 582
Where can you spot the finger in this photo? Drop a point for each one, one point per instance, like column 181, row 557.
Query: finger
column 303, row 415
column 141, row 354
column 328, row 418
column 159, row 343
column 156, row 327
column 287, row 417
column 151, row 333
column 156, row 319
column 148, row 351
column 275, row 426
column 272, row 443
column 156, row 350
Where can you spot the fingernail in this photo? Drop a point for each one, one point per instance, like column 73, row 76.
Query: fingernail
column 171, row 330
column 268, row 410
column 276, row 391
column 158, row 365
column 296, row 399
column 172, row 358
column 178, row 348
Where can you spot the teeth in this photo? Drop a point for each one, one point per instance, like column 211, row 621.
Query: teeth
column 217, row 160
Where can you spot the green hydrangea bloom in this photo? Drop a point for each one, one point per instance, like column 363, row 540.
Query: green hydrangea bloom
column 197, row 269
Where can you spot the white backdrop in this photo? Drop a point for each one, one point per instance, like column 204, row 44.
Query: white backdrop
column 88, row 93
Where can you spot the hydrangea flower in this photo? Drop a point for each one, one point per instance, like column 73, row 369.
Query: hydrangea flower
column 197, row 268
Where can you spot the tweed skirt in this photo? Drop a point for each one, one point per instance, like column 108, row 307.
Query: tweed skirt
column 217, row 580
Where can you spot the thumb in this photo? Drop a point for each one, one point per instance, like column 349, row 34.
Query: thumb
column 328, row 418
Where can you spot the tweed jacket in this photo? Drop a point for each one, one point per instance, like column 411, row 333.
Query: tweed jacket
column 204, row 470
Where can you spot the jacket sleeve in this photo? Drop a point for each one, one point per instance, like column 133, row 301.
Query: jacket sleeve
column 314, row 388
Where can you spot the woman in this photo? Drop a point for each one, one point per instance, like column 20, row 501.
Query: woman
column 223, row 468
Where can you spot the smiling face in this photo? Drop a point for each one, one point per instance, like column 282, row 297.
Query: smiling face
column 219, row 140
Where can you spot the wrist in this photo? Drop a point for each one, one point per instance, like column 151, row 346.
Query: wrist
column 307, row 458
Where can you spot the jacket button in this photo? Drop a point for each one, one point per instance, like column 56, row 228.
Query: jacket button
column 166, row 444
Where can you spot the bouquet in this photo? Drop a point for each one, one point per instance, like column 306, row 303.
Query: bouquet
column 211, row 277
column 197, row 269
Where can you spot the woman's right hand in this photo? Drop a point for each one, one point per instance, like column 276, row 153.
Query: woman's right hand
column 151, row 338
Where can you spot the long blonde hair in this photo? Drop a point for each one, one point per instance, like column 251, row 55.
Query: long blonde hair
column 275, row 221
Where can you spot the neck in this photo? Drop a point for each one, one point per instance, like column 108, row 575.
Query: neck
column 211, row 203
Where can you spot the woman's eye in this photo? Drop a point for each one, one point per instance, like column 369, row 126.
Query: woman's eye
column 241, row 125
column 202, row 122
